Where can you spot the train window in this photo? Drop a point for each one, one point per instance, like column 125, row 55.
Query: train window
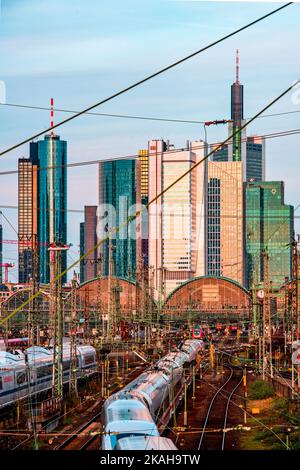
column 89, row 359
column 21, row 378
column 66, row 365
column 1, row 386
column 44, row 371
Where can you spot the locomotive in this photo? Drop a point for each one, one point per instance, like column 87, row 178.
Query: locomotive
column 129, row 416
column 30, row 372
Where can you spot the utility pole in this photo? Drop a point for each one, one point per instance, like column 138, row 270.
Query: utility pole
column 73, row 336
column 33, row 320
column 57, row 317
column 295, row 306
column 99, row 306
column 267, row 324
column 111, row 292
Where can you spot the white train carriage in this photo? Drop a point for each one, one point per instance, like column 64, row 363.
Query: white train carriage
column 152, row 388
column 128, row 416
column 18, row 377
column 124, row 415
column 192, row 347
column 145, row 443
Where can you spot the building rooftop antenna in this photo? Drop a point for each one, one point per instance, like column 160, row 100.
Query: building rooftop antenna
column 237, row 66
column 52, row 115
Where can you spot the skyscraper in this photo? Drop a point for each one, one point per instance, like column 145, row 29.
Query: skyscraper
column 144, row 179
column 88, row 240
column 176, row 219
column 52, row 220
column 269, row 225
column 225, row 220
column 27, row 213
column 119, row 192
column 81, row 251
column 250, row 150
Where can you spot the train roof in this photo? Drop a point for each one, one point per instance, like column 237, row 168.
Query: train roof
column 125, row 407
column 37, row 354
column 145, row 443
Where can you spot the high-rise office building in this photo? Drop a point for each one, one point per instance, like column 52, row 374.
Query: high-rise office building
column 27, row 214
column 269, row 225
column 144, row 183
column 224, row 235
column 88, row 240
column 119, row 193
column 81, row 251
column 250, row 150
column 237, row 114
column 177, row 218
column 52, row 199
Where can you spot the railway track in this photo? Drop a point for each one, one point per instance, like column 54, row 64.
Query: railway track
column 85, row 437
column 213, row 434
column 81, row 438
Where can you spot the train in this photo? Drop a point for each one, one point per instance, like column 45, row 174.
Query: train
column 129, row 416
column 30, row 372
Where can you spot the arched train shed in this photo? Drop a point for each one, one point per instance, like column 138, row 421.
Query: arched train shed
column 15, row 300
column 209, row 297
column 125, row 297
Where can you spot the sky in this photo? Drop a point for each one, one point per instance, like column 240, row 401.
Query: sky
column 80, row 52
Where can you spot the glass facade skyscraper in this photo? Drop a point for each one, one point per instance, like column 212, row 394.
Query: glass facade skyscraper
column 117, row 195
column 52, row 200
column 225, row 250
column 250, row 150
column 144, row 178
column 27, row 213
column 269, row 225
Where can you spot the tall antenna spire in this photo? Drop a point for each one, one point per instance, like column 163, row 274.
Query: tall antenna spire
column 237, row 66
column 51, row 115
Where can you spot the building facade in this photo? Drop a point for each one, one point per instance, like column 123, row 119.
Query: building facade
column 144, row 187
column 177, row 218
column 88, row 242
column 81, row 251
column 52, row 200
column 27, row 214
column 269, row 226
column 250, row 150
column 119, row 198
column 224, row 224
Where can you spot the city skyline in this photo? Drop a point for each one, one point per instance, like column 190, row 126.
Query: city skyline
column 149, row 233
column 177, row 133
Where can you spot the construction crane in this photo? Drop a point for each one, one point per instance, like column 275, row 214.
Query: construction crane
column 6, row 267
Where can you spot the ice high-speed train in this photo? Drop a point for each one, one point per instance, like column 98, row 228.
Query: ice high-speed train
column 14, row 372
column 129, row 416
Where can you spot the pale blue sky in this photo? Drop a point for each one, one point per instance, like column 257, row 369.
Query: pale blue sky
column 81, row 51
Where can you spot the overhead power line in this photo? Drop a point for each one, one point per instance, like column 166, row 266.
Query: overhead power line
column 133, row 217
column 272, row 135
column 131, row 116
column 146, row 79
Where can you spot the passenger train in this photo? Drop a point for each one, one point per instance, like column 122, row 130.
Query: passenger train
column 15, row 370
column 130, row 415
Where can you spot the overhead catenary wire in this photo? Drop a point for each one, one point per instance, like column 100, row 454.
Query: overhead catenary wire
column 137, row 213
column 145, row 79
column 131, row 116
column 272, row 135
